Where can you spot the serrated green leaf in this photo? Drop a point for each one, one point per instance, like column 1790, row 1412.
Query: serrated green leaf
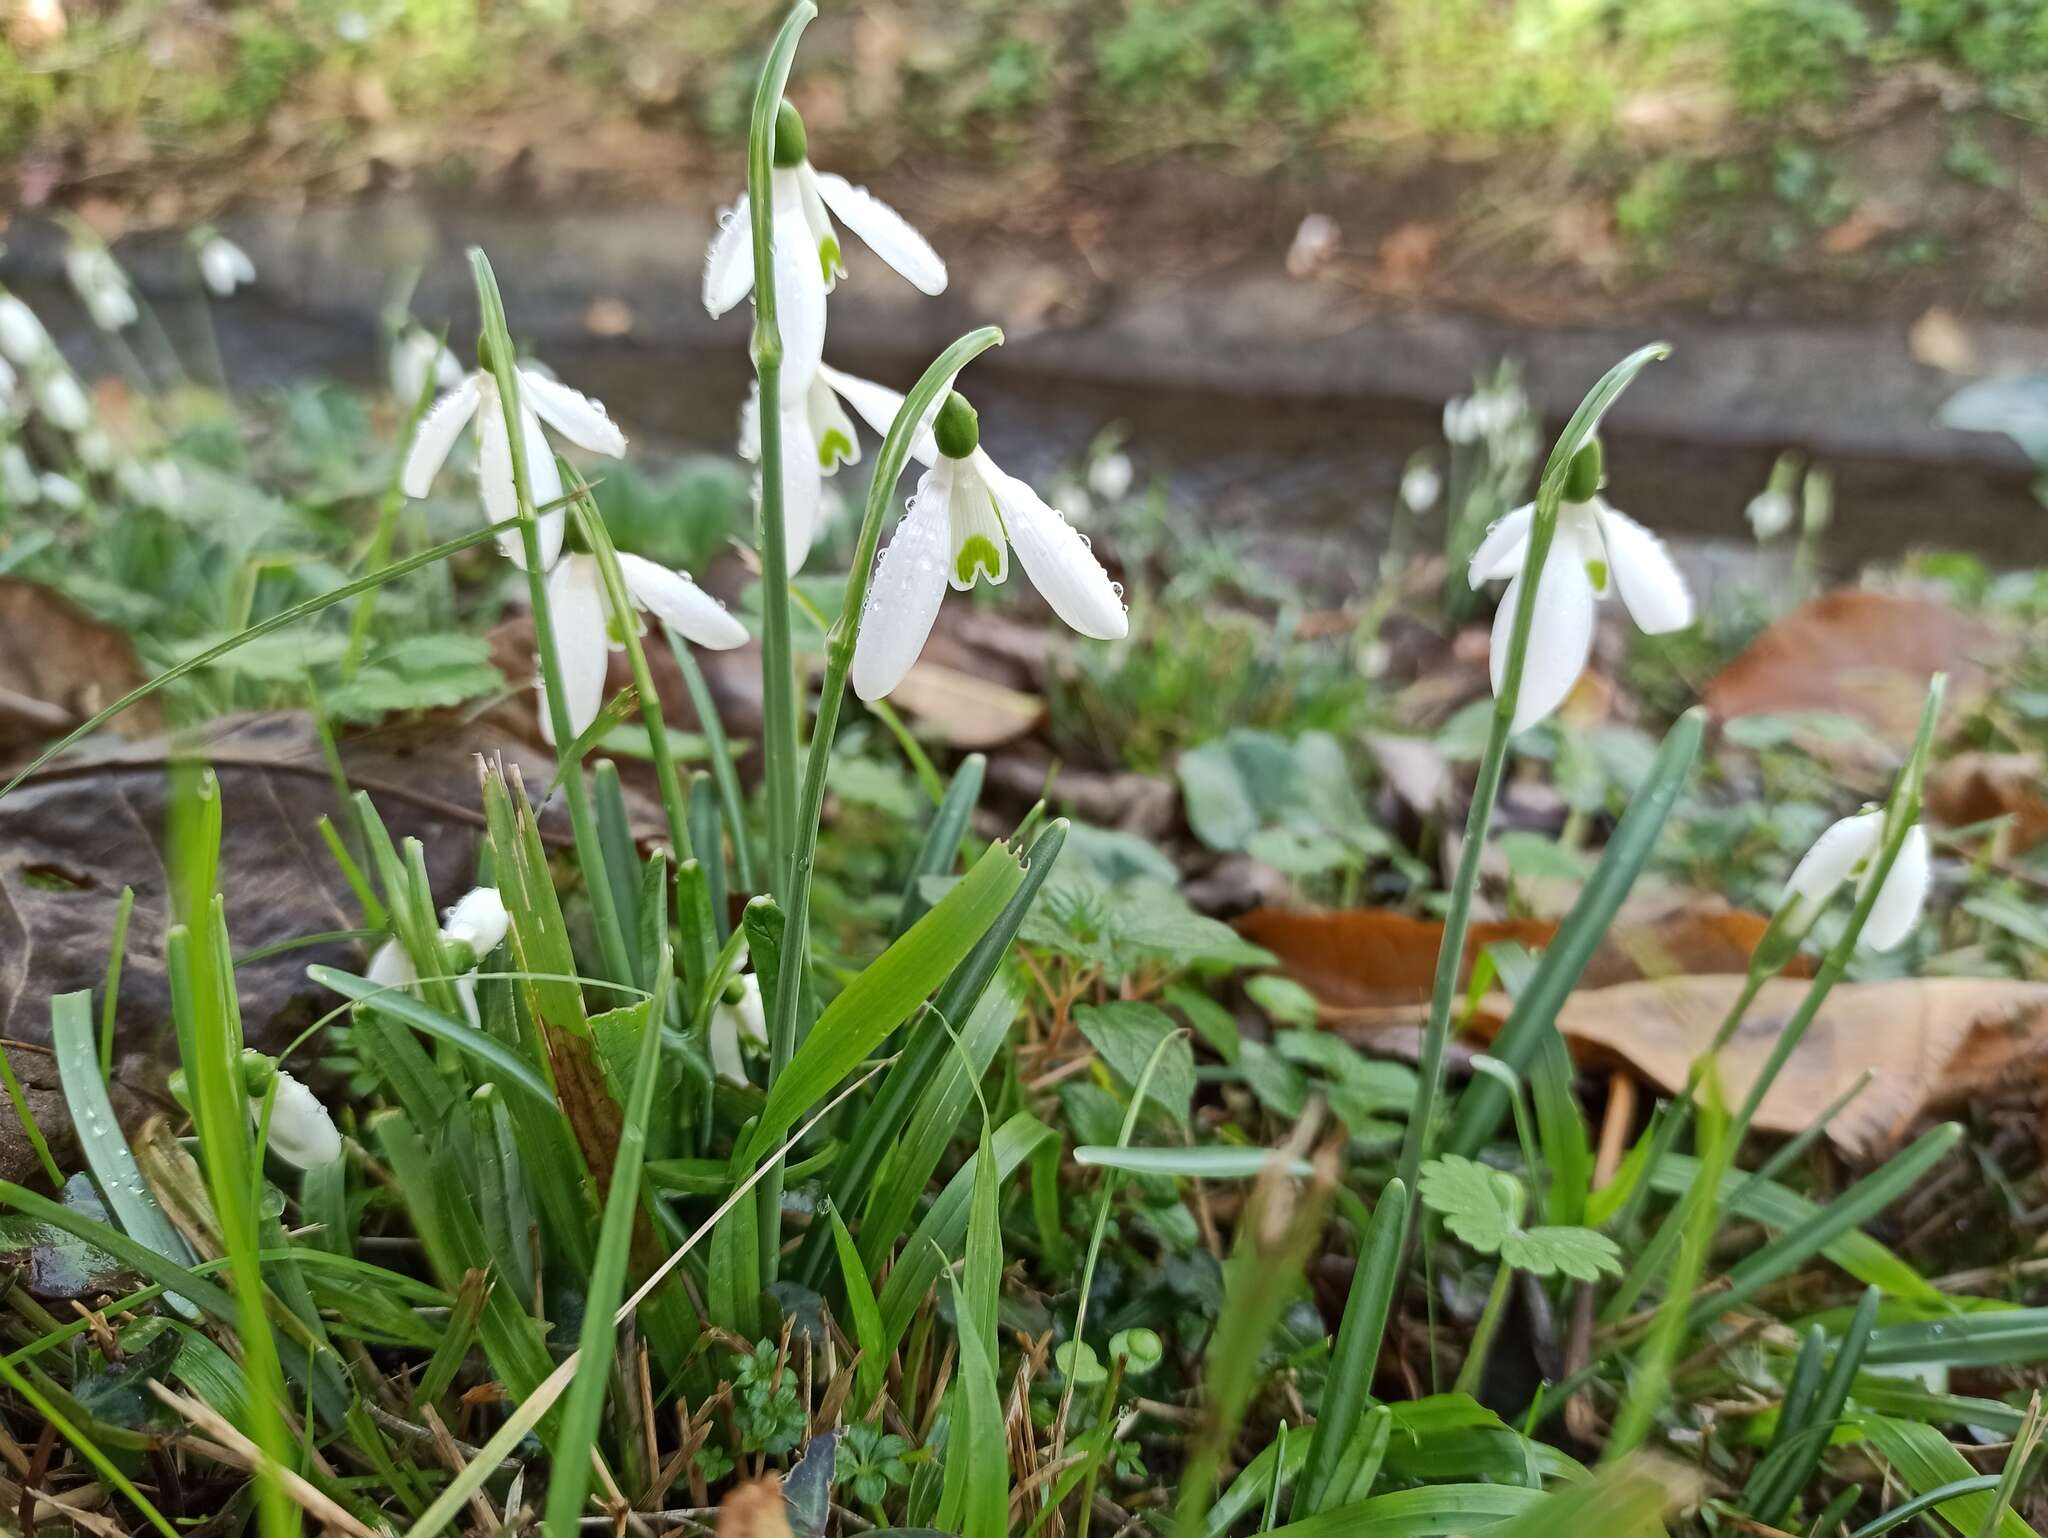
column 1469, row 1197
column 1576, row 1252
column 1125, row 1033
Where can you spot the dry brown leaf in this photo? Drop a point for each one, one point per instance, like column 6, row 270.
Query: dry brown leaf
column 1927, row 1041
column 1368, row 959
column 968, row 712
column 1976, row 787
column 1939, row 340
column 754, row 1509
column 59, row 667
column 1860, row 654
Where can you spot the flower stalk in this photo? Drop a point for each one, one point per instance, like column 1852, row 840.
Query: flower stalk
column 1486, row 791
column 497, row 341
column 779, row 702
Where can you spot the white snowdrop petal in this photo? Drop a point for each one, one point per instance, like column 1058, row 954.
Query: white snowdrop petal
column 729, row 264
column 1500, row 552
column 824, row 239
column 1904, row 893
column 390, row 966
column 803, row 492
column 301, row 1132
column 1058, row 561
column 583, row 421
column 1835, row 856
column 22, row 337
column 974, row 529
column 543, row 485
column 477, row 920
column 835, row 440
column 494, row 475
column 799, row 300
column 582, row 643
column 887, row 233
column 1651, row 586
column 750, row 425
column 434, row 439
column 877, row 406
column 1560, row 638
column 676, row 600
column 910, row 581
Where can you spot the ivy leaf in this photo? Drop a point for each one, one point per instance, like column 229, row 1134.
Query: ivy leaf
column 1579, row 1253
column 1471, row 1200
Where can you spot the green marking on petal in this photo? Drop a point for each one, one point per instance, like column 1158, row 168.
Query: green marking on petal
column 832, row 448
column 1597, row 570
column 977, row 554
column 828, row 256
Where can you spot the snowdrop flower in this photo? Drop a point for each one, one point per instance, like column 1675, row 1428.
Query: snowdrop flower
column 584, row 632
column 1595, row 549
column 156, row 483
column 224, row 265
column 61, row 399
column 474, row 925
column 9, row 382
column 62, row 491
column 807, row 254
column 416, row 355
column 1110, row 477
column 301, row 1132
column 1421, row 485
column 817, row 438
column 958, row 528
column 1770, row 513
column 18, row 479
column 95, row 448
column 101, row 285
column 576, row 417
column 738, row 1025
column 22, row 337
column 1848, row 851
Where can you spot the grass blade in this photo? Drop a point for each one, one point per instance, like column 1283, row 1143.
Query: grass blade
column 1356, row 1352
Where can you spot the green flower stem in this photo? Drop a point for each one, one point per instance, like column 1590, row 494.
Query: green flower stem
column 839, row 648
column 386, row 533
column 779, row 702
column 618, row 958
column 1474, row 1366
column 731, row 803
column 703, row 944
column 1486, row 791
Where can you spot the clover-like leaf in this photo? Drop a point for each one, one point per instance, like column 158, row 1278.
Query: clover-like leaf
column 1579, row 1253
column 1473, row 1200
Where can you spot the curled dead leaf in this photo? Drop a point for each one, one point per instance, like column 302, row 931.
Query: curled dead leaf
column 59, row 666
column 754, row 1509
column 1977, row 787
column 1927, row 1043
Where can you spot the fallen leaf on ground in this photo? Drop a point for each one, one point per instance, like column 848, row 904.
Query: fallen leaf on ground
column 966, row 711
column 1865, row 655
column 1976, row 787
column 1928, row 1043
column 78, row 831
column 60, row 667
column 1364, row 964
column 754, row 1510
column 1939, row 340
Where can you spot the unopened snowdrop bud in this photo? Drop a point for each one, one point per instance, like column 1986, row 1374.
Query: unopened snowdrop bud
column 62, row 491
column 224, row 265
column 1596, row 550
column 22, row 337
column 1848, row 852
column 739, row 1025
column 301, row 1132
column 18, row 479
column 61, row 399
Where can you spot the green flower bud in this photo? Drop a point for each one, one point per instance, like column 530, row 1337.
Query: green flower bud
column 959, row 427
column 1582, row 480
column 792, row 144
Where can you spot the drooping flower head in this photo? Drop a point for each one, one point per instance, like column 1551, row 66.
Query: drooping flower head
column 585, row 631
column 807, row 255
column 583, row 421
column 417, row 356
column 739, row 1025
column 1848, row 852
column 101, row 285
column 1596, row 551
column 963, row 520
column 223, row 265
column 817, row 438
column 472, row 928
column 301, row 1132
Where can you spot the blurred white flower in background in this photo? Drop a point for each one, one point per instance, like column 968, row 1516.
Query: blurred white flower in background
column 584, row 633
column 1110, row 477
column 61, row 399
column 95, row 449
column 157, row 483
column 18, row 479
column 1421, row 485
column 417, row 356
column 576, row 417
column 62, row 491
column 224, row 265
column 22, row 337
column 1848, row 851
column 100, row 284
column 1770, row 513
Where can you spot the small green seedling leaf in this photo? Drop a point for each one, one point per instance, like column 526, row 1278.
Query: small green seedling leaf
column 1576, row 1252
column 1472, row 1201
